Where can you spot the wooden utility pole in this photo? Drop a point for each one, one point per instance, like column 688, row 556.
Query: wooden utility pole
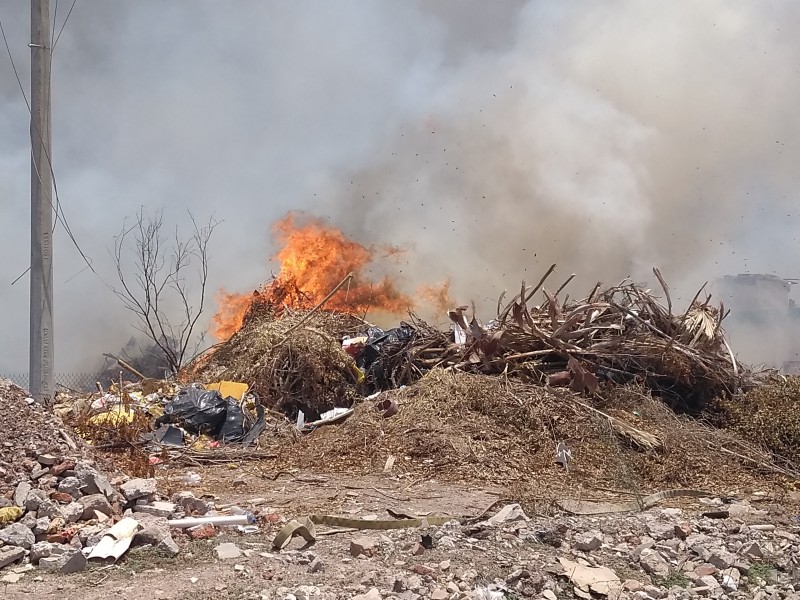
column 40, row 373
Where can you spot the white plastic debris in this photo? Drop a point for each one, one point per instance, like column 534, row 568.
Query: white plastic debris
column 563, row 455
column 213, row 520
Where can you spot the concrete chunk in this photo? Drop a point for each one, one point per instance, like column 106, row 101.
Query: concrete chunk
column 42, row 550
column 93, row 482
column 95, row 502
column 71, row 486
column 33, row 499
column 654, row 564
column 138, row 488
column 753, row 551
column 72, row 561
column 661, row 531
column 41, row 526
column 48, row 508
column 72, row 512
column 508, row 514
column 586, row 542
column 10, row 554
column 17, row 534
column 722, row 559
column 47, row 460
column 372, row 594
column 157, row 509
column 227, row 551
column 192, row 505
column 363, row 545
column 21, row 493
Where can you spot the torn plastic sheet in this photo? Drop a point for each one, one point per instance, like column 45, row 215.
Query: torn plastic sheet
column 459, row 335
column 335, row 415
column 169, row 435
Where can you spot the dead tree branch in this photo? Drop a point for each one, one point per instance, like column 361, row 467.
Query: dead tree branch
column 162, row 287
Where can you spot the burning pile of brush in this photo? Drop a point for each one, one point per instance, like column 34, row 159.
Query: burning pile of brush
column 295, row 360
column 291, row 358
column 286, row 339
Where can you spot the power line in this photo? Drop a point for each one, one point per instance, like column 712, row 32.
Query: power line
column 53, row 31
column 57, row 207
column 64, row 24
column 14, row 66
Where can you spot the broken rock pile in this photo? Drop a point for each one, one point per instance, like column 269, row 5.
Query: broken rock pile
column 731, row 549
column 57, row 506
column 28, row 431
column 54, row 521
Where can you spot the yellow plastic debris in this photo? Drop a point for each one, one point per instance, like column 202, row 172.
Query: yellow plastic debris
column 229, row 389
column 360, row 376
column 203, row 442
column 9, row 514
column 116, row 416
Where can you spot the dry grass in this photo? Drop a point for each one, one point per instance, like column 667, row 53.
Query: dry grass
column 122, row 438
column 769, row 413
column 463, row 427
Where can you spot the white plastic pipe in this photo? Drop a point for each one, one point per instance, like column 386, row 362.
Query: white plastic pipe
column 216, row 520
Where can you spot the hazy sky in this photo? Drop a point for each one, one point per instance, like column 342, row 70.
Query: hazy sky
column 491, row 139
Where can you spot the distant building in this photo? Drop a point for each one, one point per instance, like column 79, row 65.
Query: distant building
column 764, row 323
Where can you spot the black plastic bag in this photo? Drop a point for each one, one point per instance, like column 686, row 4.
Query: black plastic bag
column 376, row 357
column 238, row 426
column 197, row 410
column 206, row 411
column 380, row 342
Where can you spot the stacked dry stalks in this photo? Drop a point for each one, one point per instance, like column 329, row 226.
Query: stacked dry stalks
column 618, row 334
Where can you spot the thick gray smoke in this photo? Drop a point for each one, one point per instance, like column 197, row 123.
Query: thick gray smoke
column 490, row 138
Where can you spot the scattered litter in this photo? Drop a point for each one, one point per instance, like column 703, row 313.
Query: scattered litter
column 600, row 580
column 563, row 455
column 11, row 578
column 229, row 389
column 387, row 468
column 116, row 540
column 169, row 435
column 335, row 415
column 508, row 514
column 232, row 520
column 247, row 529
column 227, row 551
column 9, row 514
column 206, row 412
column 190, row 478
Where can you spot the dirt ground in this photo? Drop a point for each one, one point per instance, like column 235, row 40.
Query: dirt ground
column 146, row 574
column 197, row 574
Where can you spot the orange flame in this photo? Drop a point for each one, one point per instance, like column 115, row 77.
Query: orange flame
column 314, row 257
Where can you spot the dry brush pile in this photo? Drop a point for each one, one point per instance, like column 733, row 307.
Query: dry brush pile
column 460, row 426
column 769, row 413
column 620, row 334
column 292, row 359
column 490, row 401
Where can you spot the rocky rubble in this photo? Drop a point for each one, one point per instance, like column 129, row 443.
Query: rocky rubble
column 660, row 554
column 31, row 439
column 56, row 505
column 62, row 516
